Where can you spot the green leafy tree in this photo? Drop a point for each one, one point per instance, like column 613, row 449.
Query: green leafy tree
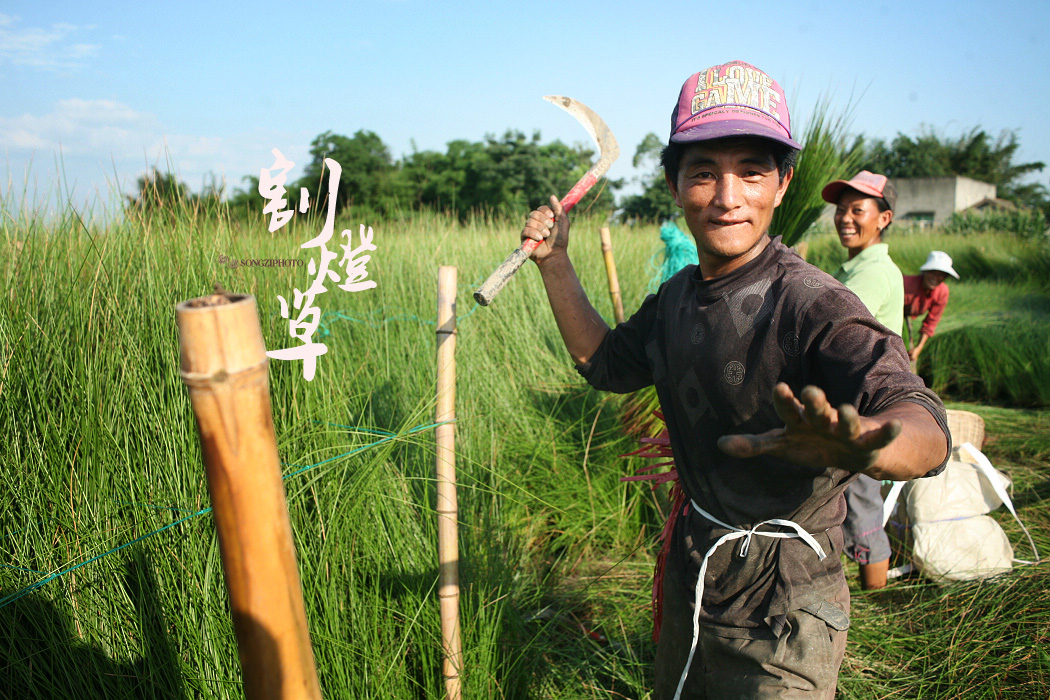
column 164, row 196
column 435, row 179
column 511, row 174
column 367, row 171
column 158, row 191
column 247, row 200
column 1033, row 195
column 209, row 201
column 655, row 203
column 975, row 154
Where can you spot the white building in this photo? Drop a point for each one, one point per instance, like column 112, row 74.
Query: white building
column 934, row 199
column 931, row 200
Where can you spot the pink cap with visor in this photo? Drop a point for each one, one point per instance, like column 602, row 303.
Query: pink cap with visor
column 865, row 182
column 732, row 99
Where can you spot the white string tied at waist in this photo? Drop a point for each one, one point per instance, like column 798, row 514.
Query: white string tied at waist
column 736, row 533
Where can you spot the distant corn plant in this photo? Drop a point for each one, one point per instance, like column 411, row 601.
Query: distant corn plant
column 1024, row 223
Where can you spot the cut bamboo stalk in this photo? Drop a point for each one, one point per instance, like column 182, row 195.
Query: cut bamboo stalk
column 447, row 508
column 224, row 367
column 610, row 270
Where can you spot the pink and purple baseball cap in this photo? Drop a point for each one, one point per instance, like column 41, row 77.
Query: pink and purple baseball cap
column 731, row 99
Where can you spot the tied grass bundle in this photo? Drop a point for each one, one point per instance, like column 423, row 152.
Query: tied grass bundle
column 826, row 156
column 974, row 362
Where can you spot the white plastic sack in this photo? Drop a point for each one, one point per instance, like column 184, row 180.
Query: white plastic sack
column 951, row 537
column 960, row 550
column 958, row 492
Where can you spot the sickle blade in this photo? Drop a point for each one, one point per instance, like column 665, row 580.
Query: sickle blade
column 608, row 149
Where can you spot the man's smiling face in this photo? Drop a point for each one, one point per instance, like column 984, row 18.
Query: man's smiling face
column 728, row 189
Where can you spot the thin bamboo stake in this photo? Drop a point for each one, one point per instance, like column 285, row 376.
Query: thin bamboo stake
column 447, row 509
column 610, row 270
column 224, row 367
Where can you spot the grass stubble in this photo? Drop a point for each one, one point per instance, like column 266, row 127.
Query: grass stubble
column 556, row 552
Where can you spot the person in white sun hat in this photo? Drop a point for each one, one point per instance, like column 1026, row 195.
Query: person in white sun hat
column 926, row 293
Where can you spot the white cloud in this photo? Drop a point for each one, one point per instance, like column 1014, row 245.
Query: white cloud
column 97, row 140
column 50, row 48
column 82, row 127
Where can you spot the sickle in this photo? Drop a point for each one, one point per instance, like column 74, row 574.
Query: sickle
column 608, row 151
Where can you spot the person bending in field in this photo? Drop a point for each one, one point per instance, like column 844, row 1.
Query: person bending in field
column 777, row 387
column 863, row 212
column 926, row 293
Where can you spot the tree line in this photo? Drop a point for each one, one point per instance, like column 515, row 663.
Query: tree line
column 515, row 173
column 975, row 154
column 508, row 174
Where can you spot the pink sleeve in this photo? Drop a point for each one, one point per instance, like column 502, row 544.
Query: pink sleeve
column 940, row 300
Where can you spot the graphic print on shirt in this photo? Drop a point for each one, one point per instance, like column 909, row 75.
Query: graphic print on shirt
column 734, row 373
column 693, row 397
column 749, row 305
column 697, row 336
column 791, row 343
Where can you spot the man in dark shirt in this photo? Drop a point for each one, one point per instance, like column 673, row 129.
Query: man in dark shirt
column 750, row 351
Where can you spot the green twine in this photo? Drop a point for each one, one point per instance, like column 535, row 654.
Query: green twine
column 375, row 319
column 28, row 589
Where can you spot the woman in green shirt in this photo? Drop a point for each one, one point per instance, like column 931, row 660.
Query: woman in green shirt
column 863, row 212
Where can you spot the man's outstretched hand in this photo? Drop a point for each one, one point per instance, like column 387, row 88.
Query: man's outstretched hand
column 815, row 434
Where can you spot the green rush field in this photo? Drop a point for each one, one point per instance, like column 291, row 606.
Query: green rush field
column 99, row 449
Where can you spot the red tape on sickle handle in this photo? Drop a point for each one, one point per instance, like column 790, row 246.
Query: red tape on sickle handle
column 496, row 281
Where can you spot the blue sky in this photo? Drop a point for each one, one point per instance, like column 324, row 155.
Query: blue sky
column 212, row 87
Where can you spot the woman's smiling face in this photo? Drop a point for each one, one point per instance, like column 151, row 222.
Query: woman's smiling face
column 858, row 220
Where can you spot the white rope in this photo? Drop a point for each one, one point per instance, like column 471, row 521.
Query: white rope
column 736, row 534
column 985, row 467
column 891, row 501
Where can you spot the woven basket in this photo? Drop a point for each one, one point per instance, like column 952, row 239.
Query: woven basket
column 966, row 427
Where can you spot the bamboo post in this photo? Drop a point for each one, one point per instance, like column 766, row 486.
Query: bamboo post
column 610, row 270
column 224, row 367
column 447, row 509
